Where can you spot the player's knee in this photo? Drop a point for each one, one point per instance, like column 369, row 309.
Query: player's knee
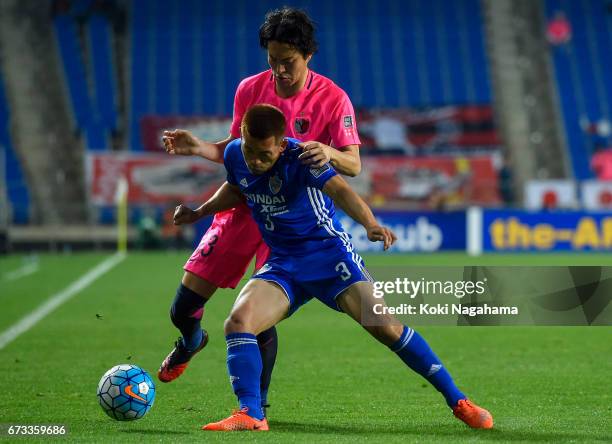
column 236, row 323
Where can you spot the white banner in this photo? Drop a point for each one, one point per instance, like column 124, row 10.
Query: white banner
column 597, row 195
column 550, row 194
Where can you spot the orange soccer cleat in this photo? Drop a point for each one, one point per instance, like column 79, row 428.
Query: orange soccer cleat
column 178, row 359
column 474, row 416
column 239, row 420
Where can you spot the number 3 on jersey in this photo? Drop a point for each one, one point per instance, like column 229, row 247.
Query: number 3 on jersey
column 269, row 224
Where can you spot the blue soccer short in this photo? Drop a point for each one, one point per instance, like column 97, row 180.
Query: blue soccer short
column 323, row 275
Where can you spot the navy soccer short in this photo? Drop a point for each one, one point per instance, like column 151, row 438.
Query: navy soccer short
column 323, row 275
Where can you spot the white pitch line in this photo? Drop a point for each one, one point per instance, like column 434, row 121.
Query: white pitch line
column 58, row 299
column 23, row 271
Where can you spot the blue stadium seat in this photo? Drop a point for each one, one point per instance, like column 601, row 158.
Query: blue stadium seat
column 474, row 27
column 141, row 72
column 455, row 38
column 583, row 72
column 186, row 40
column 74, row 68
column 16, row 185
column 209, row 63
column 95, row 111
column 188, row 57
column 164, row 55
column 102, row 62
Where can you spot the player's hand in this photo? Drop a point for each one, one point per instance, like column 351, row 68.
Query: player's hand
column 315, row 154
column 180, row 142
column 377, row 233
column 184, row 215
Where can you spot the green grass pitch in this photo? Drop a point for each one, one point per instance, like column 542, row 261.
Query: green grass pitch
column 332, row 382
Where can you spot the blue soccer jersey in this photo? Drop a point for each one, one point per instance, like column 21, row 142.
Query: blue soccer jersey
column 311, row 255
column 292, row 213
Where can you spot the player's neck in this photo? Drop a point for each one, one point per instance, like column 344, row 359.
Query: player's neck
column 293, row 89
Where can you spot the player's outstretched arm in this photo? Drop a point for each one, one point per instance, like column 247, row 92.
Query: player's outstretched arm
column 226, row 197
column 353, row 205
column 184, row 143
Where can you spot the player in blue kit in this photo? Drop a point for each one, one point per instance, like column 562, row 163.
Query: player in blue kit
column 311, row 256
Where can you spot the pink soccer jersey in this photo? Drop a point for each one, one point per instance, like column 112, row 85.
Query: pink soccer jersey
column 321, row 111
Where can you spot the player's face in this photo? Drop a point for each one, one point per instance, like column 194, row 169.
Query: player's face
column 261, row 155
column 288, row 64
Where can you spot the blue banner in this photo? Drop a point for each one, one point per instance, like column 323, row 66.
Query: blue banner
column 416, row 231
column 505, row 230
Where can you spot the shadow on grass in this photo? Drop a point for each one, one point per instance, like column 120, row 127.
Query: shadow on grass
column 457, row 432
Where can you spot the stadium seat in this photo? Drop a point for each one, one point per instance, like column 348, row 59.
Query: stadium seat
column 190, row 63
column 16, row 186
column 583, row 71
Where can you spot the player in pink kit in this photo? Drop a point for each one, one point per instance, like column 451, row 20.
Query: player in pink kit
column 316, row 110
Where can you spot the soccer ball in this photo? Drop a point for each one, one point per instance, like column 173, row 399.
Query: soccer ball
column 126, row 392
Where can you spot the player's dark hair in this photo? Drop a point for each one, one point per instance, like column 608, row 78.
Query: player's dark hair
column 291, row 26
column 263, row 121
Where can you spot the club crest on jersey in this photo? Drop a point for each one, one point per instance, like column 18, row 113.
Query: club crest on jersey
column 275, row 184
column 316, row 172
column 348, row 121
column 301, row 125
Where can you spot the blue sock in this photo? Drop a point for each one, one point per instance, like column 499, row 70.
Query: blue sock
column 244, row 367
column 186, row 314
column 416, row 354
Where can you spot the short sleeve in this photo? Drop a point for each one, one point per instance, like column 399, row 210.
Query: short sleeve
column 342, row 125
column 228, row 155
column 239, row 110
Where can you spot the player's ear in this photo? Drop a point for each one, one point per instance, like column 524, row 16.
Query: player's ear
column 308, row 57
column 283, row 144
